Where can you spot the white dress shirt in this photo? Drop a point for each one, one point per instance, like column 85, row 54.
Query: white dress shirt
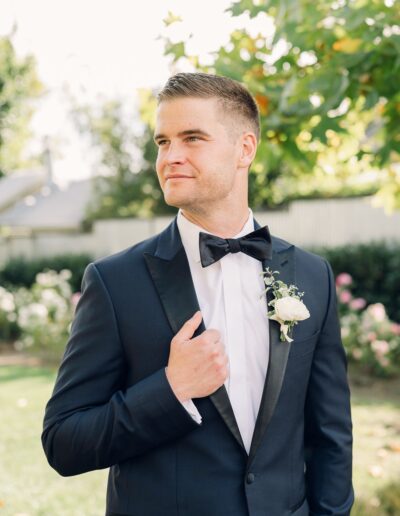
column 229, row 296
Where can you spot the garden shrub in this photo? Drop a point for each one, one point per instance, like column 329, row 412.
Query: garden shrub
column 375, row 269
column 370, row 338
column 9, row 329
column 42, row 314
column 21, row 272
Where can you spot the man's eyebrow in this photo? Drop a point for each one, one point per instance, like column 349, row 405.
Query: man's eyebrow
column 188, row 132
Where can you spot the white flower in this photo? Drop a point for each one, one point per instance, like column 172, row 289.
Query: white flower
column 6, row 301
column 291, row 309
column 33, row 314
column 66, row 274
column 287, row 307
column 49, row 296
column 377, row 312
column 46, row 279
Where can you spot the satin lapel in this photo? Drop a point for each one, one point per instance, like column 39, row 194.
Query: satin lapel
column 282, row 261
column 170, row 271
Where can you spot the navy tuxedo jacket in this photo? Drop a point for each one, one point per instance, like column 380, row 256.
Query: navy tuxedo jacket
column 112, row 405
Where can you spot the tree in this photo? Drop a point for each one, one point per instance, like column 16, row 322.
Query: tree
column 127, row 185
column 19, row 85
column 327, row 84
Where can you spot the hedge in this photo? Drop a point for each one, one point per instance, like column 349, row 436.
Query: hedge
column 20, row 272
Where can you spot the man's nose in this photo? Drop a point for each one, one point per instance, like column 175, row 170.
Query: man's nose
column 175, row 154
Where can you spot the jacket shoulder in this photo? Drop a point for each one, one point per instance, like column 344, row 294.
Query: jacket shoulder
column 303, row 256
column 131, row 256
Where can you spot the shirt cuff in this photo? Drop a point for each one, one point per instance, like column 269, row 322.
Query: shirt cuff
column 192, row 409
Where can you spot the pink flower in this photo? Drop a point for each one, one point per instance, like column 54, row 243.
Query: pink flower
column 345, row 296
column 395, row 328
column 384, row 361
column 344, row 279
column 357, row 353
column 371, row 336
column 377, row 312
column 358, row 303
column 381, row 347
column 75, row 298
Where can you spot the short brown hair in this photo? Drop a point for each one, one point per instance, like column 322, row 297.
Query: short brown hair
column 234, row 97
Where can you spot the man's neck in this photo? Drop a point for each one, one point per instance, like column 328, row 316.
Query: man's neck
column 220, row 224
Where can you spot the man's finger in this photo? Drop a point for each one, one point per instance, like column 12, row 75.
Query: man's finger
column 189, row 327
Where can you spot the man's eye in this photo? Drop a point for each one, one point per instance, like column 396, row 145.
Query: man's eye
column 192, row 138
column 161, row 142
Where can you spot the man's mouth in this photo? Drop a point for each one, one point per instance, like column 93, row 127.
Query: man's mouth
column 177, row 176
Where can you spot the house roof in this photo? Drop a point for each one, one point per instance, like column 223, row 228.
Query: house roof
column 50, row 208
column 18, row 185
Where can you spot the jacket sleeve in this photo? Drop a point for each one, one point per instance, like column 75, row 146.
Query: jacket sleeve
column 90, row 421
column 328, row 426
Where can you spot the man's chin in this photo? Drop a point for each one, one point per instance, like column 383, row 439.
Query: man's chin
column 177, row 201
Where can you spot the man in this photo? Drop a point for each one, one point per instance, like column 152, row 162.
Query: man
column 224, row 421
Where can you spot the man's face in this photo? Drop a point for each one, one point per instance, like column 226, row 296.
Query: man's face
column 197, row 158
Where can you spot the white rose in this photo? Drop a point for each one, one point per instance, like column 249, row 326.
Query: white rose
column 290, row 309
column 7, row 302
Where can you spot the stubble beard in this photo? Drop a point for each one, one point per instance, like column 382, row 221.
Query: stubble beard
column 200, row 205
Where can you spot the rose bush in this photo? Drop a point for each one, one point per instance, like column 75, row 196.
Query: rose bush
column 8, row 318
column 39, row 318
column 370, row 338
column 41, row 315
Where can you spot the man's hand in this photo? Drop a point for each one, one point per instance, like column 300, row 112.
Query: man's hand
column 196, row 367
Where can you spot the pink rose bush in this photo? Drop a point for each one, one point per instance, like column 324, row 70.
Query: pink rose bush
column 344, row 280
column 370, row 338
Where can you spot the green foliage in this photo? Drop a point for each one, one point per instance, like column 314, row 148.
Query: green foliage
column 326, row 82
column 375, row 269
column 127, row 188
column 21, row 272
column 19, row 85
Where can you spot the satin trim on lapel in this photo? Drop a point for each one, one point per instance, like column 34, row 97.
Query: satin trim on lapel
column 282, row 261
column 170, row 271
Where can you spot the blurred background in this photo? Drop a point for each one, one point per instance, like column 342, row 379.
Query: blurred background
column 77, row 101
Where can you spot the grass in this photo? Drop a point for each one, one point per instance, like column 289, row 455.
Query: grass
column 29, row 487
column 376, row 423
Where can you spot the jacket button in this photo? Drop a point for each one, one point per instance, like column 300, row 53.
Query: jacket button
column 250, row 478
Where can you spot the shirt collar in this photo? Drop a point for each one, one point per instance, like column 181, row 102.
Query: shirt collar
column 190, row 234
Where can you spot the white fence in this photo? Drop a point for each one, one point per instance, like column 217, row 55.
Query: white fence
column 306, row 223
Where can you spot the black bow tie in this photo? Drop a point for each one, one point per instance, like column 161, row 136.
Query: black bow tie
column 256, row 244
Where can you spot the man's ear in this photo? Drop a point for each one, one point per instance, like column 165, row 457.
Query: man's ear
column 248, row 149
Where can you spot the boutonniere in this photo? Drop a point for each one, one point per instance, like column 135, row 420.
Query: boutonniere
column 287, row 308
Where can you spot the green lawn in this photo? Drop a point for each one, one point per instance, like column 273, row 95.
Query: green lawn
column 29, row 487
column 376, row 423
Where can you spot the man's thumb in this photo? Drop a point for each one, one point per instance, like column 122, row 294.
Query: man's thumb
column 189, row 327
